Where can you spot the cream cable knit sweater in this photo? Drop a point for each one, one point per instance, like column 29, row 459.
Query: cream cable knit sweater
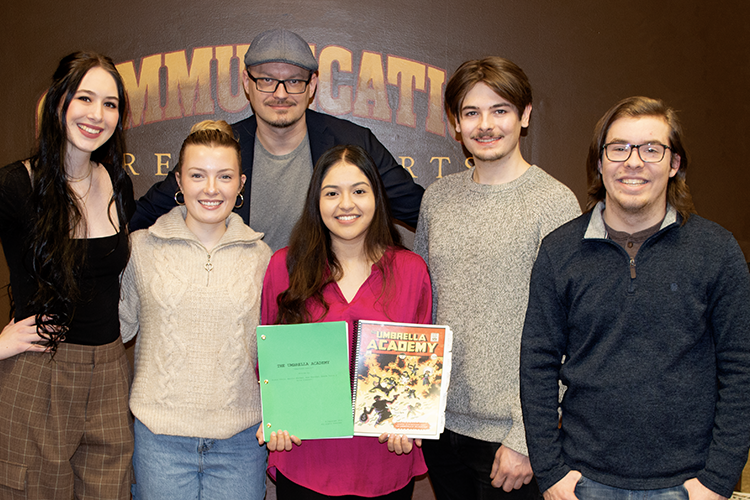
column 195, row 313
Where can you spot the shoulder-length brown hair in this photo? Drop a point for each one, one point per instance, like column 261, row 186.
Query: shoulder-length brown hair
column 310, row 260
column 504, row 77
column 678, row 193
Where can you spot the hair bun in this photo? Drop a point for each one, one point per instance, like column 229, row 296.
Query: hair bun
column 219, row 125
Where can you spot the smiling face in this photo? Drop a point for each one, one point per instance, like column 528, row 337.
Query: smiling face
column 92, row 114
column 279, row 109
column 490, row 125
column 210, row 180
column 636, row 196
column 347, row 204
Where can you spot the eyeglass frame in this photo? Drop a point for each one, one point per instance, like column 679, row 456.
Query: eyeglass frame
column 638, row 147
column 278, row 82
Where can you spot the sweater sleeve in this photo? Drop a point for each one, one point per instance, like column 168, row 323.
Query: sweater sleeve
column 566, row 209
column 729, row 313
column 422, row 234
column 542, row 346
column 516, row 437
column 424, row 299
column 130, row 302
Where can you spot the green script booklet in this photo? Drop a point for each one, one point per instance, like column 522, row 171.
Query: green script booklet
column 401, row 381
column 305, row 379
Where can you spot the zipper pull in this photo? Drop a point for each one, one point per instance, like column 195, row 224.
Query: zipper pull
column 632, row 269
column 209, row 267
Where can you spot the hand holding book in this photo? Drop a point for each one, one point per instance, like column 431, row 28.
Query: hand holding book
column 283, row 441
column 398, row 443
column 279, row 441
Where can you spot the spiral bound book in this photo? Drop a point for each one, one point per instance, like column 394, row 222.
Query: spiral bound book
column 305, row 379
column 401, row 379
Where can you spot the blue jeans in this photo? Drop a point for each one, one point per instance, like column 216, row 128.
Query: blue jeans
column 186, row 468
column 587, row 489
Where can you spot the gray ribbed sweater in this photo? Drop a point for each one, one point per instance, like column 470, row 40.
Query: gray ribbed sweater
column 480, row 242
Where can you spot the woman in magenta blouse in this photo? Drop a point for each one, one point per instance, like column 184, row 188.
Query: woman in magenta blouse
column 345, row 262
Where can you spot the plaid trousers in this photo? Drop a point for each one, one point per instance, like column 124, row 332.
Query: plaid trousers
column 65, row 427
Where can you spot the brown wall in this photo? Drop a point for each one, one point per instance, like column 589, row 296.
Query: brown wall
column 581, row 57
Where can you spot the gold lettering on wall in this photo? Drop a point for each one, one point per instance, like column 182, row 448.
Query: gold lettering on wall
column 440, row 164
column 143, row 90
column 342, row 87
column 231, row 102
column 189, row 89
column 372, row 97
column 409, row 76
column 127, row 163
column 334, row 99
column 162, row 160
column 408, row 163
column 435, row 121
column 409, row 166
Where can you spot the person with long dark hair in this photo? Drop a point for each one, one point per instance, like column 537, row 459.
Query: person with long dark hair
column 195, row 395
column 345, row 262
column 65, row 429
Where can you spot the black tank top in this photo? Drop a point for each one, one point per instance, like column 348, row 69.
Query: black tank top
column 95, row 320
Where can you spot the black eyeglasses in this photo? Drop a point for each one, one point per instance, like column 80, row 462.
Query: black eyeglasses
column 269, row 85
column 652, row 152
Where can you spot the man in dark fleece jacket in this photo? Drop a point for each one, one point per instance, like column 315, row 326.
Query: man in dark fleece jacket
column 642, row 309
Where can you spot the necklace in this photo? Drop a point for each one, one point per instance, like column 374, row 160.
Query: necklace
column 79, row 179
column 72, row 180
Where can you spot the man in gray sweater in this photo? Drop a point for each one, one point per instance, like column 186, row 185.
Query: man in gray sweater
column 479, row 231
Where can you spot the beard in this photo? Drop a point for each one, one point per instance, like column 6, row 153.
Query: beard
column 489, row 156
column 287, row 119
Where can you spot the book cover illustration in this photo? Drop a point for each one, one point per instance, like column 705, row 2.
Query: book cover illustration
column 401, row 379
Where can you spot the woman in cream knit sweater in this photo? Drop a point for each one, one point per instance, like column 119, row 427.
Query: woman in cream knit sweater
column 192, row 293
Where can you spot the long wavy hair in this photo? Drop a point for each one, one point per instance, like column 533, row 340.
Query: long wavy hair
column 56, row 256
column 311, row 261
column 678, row 192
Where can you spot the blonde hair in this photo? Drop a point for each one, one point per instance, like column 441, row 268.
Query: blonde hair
column 211, row 133
column 219, row 125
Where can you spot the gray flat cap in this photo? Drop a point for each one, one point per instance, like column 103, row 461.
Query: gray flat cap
column 280, row 45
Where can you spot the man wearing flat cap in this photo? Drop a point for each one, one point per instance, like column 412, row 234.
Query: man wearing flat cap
column 282, row 141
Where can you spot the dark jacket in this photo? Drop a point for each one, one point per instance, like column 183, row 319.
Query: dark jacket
column 324, row 132
column 657, row 365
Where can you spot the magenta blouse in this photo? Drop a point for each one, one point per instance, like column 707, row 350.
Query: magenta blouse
column 359, row 466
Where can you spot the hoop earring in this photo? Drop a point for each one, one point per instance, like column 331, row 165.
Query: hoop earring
column 242, row 201
column 178, row 193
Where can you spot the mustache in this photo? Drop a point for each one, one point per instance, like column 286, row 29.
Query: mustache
column 272, row 101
